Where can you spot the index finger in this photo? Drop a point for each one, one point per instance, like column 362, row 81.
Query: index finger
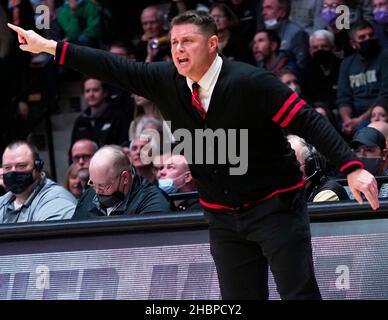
column 372, row 198
column 17, row 29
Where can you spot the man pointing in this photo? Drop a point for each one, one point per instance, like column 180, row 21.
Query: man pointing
column 257, row 219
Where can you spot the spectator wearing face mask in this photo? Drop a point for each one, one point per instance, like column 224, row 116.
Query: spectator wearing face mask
column 174, row 176
column 370, row 146
column 341, row 38
column 116, row 189
column 294, row 38
column 31, row 196
column 363, row 78
column 319, row 78
column 380, row 15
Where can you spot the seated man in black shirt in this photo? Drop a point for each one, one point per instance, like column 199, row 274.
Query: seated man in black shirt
column 102, row 121
column 116, row 189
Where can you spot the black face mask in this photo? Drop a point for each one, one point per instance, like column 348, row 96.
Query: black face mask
column 369, row 48
column 373, row 165
column 18, row 182
column 2, row 191
column 323, row 57
column 111, row 200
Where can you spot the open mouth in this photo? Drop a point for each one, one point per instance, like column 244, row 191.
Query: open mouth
column 183, row 61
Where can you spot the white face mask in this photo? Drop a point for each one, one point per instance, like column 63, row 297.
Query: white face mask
column 271, row 23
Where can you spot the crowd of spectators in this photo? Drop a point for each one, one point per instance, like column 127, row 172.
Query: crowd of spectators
column 341, row 71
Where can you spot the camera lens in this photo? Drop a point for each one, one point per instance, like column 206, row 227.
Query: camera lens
column 154, row 44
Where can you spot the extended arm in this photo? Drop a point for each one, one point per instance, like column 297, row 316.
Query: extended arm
column 136, row 77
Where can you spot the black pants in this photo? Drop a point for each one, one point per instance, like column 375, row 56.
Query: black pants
column 274, row 233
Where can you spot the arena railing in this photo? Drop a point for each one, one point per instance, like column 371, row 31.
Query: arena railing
column 167, row 256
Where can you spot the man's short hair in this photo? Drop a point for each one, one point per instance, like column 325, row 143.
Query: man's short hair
column 84, row 140
column 201, row 19
column 38, row 162
column 87, row 78
column 19, row 143
column 272, row 37
column 359, row 25
column 322, row 34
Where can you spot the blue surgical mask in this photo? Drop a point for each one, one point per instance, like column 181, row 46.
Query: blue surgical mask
column 167, row 185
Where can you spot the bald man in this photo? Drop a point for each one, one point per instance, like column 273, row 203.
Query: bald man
column 152, row 22
column 116, row 189
column 174, row 176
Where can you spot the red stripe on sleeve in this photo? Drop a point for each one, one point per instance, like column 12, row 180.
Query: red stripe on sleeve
column 63, row 53
column 347, row 165
column 284, row 107
column 292, row 113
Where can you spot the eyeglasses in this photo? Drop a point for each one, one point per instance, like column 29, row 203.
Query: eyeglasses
column 85, row 157
column 331, row 6
column 101, row 187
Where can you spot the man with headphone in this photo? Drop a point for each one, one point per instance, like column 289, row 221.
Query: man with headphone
column 31, row 196
column 319, row 187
